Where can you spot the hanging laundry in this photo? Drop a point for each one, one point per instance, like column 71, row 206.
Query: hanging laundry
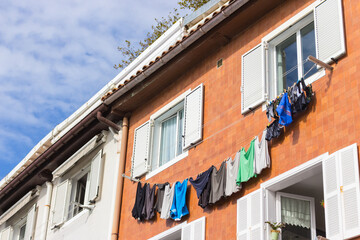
column 167, row 201
column 246, row 165
column 218, row 181
column 139, row 202
column 273, row 130
column 148, row 211
column 262, row 157
column 232, row 169
column 201, row 180
column 160, row 196
column 205, row 195
column 284, row 110
column 270, row 111
column 179, row 208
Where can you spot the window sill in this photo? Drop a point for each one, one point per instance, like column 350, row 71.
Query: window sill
column 166, row 165
column 71, row 220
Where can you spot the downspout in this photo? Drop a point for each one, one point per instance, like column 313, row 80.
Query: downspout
column 45, row 221
column 106, row 121
column 120, row 180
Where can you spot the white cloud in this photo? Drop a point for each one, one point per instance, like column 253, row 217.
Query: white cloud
column 54, row 55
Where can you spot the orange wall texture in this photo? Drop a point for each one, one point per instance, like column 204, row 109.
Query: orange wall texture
column 330, row 123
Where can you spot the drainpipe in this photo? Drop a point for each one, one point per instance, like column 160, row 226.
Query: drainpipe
column 106, row 121
column 120, row 180
column 45, row 221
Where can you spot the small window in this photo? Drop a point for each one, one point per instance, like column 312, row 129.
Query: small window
column 22, row 232
column 79, row 192
column 168, row 140
column 288, row 54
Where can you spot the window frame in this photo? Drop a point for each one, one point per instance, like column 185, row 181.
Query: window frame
column 270, row 78
column 154, row 119
column 299, row 197
column 281, row 33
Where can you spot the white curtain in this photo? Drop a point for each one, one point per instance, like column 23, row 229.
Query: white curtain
column 168, row 140
column 295, row 212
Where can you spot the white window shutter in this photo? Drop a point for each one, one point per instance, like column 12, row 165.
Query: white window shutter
column 95, row 176
column 61, row 202
column 140, row 159
column 252, row 78
column 349, row 179
column 7, row 233
column 331, row 181
column 30, row 223
column 329, row 30
column 250, row 217
column 194, row 230
column 193, row 117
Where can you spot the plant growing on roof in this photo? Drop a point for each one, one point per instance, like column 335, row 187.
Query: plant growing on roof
column 275, row 229
column 130, row 52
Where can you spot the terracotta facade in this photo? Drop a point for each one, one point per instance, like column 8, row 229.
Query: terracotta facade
column 330, row 123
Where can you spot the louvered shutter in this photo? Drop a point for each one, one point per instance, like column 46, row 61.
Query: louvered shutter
column 329, row 30
column 60, row 204
column 95, row 176
column 194, row 230
column 6, row 234
column 193, row 117
column 252, row 78
column 349, row 179
column 332, row 199
column 30, row 223
column 140, row 158
column 250, row 219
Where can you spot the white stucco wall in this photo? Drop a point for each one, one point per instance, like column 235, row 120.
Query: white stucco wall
column 95, row 224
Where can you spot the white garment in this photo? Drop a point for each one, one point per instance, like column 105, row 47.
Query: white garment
column 232, row 169
column 262, row 157
column 167, row 201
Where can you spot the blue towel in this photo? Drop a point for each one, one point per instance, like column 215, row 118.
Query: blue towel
column 284, row 111
column 179, row 208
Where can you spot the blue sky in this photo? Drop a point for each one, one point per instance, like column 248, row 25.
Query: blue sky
column 54, row 56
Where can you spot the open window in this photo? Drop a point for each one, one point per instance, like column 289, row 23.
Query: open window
column 78, row 186
column 167, row 136
column 281, row 58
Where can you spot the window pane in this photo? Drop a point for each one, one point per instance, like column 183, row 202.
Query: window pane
column 180, row 130
column 22, row 232
column 308, row 47
column 286, row 63
column 168, row 140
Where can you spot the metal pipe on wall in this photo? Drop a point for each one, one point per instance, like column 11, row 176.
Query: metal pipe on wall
column 120, row 180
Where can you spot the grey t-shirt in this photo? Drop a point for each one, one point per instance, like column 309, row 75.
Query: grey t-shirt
column 167, row 201
column 160, row 196
column 218, row 181
column 232, row 169
column 262, row 157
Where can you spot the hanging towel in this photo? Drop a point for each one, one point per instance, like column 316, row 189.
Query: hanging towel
column 178, row 208
column 167, row 201
column 200, row 182
column 139, row 202
column 262, row 157
column 246, row 166
column 232, row 169
column 148, row 211
column 160, row 196
column 218, row 181
column 284, row 111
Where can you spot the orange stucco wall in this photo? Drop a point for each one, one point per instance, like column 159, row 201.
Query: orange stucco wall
column 330, row 123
